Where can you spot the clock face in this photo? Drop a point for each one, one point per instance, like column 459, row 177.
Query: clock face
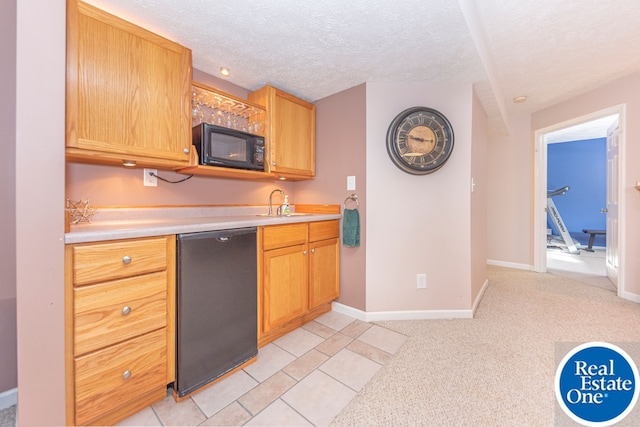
column 420, row 140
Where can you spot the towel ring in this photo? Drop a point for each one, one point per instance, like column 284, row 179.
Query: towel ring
column 353, row 197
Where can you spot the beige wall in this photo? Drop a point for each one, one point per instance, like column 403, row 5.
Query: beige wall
column 478, row 216
column 117, row 186
column 509, row 196
column 418, row 224
column 340, row 149
column 8, row 355
column 622, row 91
column 40, row 71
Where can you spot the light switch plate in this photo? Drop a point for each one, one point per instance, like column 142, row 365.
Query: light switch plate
column 351, row 183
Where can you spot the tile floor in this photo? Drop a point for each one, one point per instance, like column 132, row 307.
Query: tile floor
column 304, row 378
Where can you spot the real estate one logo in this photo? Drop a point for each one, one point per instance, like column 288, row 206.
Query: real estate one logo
column 596, row 384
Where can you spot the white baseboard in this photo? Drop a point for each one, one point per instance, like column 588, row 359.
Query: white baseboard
column 510, row 265
column 8, row 398
column 349, row 311
column 419, row 315
column 479, row 297
column 631, row 297
column 401, row 315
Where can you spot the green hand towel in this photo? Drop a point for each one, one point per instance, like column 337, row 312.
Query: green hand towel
column 351, row 228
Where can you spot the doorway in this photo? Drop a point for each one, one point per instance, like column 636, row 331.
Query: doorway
column 595, row 125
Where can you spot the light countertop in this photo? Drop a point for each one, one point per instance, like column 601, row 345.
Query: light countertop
column 128, row 223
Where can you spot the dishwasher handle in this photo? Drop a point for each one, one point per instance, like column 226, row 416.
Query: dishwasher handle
column 222, row 236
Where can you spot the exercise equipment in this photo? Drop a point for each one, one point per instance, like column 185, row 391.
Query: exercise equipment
column 556, row 218
column 592, row 236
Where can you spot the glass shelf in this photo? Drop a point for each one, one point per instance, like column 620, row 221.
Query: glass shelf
column 210, row 105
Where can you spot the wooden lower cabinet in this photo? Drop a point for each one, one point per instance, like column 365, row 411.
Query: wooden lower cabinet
column 299, row 275
column 285, row 285
column 120, row 315
column 109, row 378
column 324, row 276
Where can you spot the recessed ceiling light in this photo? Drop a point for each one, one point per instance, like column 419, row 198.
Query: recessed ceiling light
column 519, row 99
column 224, row 71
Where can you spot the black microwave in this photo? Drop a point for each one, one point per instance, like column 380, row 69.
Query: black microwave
column 231, row 148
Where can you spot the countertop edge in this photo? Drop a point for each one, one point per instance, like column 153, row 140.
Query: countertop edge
column 118, row 230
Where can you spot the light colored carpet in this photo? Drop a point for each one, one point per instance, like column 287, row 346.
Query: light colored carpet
column 8, row 417
column 496, row 369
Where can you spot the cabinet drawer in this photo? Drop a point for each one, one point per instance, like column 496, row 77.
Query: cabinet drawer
column 280, row 236
column 107, row 261
column 101, row 380
column 322, row 230
column 101, row 317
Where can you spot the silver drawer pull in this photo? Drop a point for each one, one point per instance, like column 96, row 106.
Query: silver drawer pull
column 126, row 310
column 126, row 259
column 304, row 252
column 186, row 151
column 126, row 374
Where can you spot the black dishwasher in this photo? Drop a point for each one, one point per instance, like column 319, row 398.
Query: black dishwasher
column 216, row 305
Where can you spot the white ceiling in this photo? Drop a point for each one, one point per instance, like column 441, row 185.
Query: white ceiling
column 589, row 130
column 547, row 50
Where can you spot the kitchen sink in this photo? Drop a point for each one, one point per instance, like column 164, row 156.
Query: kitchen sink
column 284, row 216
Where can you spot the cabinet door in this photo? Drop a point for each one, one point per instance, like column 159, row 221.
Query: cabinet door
column 294, row 141
column 128, row 92
column 290, row 133
column 285, row 289
column 324, row 272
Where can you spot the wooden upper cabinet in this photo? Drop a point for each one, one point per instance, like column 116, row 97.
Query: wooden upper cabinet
column 128, row 92
column 291, row 133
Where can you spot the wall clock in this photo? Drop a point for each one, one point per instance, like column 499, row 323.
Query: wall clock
column 420, row 140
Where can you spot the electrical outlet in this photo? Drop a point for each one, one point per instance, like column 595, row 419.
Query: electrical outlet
column 149, row 179
column 421, row 280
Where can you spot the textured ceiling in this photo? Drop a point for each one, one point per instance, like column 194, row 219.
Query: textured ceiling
column 548, row 50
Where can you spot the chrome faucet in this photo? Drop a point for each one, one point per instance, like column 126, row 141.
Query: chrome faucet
column 270, row 202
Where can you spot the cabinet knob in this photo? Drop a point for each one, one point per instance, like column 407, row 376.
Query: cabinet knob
column 274, row 163
column 126, row 375
column 126, row 259
column 186, row 151
column 313, row 251
column 304, row 252
column 126, row 310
